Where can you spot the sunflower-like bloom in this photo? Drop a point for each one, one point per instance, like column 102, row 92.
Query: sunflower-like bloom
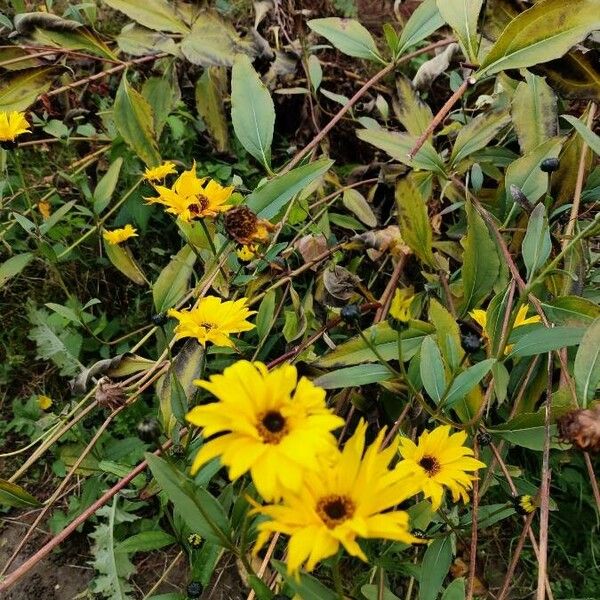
column 247, row 253
column 400, row 306
column 12, row 124
column 192, row 197
column 441, row 460
column 350, row 498
column 213, row 320
column 160, row 172
column 117, row 236
column 276, row 426
column 480, row 317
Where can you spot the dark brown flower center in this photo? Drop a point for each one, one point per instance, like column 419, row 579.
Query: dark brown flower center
column 200, row 205
column 430, row 464
column 241, row 224
column 272, row 427
column 207, row 326
column 334, row 510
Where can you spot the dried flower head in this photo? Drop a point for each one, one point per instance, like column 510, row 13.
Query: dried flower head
column 245, row 227
column 581, row 427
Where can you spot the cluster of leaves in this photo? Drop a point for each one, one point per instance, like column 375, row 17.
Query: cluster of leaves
column 492, row 214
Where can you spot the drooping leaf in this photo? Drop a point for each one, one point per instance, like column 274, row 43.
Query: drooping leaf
column 81, row 39
column 173, row 281
column 414, row 220
column 537, row 244
column 154, row 14
column 434, row 568
column 542, row 33
column 13, row 495
column 122, row 258
column 269, row 199
column 534, row 112
column 348, row 36
column 213, row 42
column 210, row 93
column 586, row 371
column 590, row 138
column 481, row 263
column 252, row 110
column 13, row 266
column 462, row 16
column 422, row 23
column 19, row 91
column 134, row 120
column 411, row 111
column 432, row 370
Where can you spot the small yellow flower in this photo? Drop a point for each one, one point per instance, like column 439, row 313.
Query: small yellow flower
column 353, row 497
column 45, row 208
column 44, row 402
column 12, row 124
column 401, row 303
column 117, row 236
column 247, row 253
column 273, row 425
column 480, row 317
column 441, row 460
column 525, row 504
column 213, row 320
column 160, row 172
column 192, row 198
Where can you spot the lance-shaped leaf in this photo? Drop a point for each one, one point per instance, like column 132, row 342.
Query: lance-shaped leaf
column 13, row 266
column 462, row 16
column 587, row 364
column 466, row 381
column 422, row 23
column 173, row 281
column 154, row 14
column 537, row 244
column 348, row 36
column 589, row 137
column 411, row 111
column 122, row 258
column 21, row 90
column 210, row 94
column 432, row 370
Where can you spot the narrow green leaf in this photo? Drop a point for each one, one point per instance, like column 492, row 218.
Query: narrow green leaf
column 19, row 91
column 356, row 203
column 481, row 264
column 353, row 376
column 590, row 138
column 466, row 381
column 462, row 16
column 252, row 110
column 210, row 94
column 526, row 430
column 264, row 316
column 15, row 496
column 172, row 283
column 542, row 33
column 587, row 364
column 422, row 23
column 13, row 266
column 348, row 36
column 434, row 568
column 304, row 586
column 145, row 541
column 122, row 258
column 546, row 339
column 537, row 244
column 106, row 186
column 456, row 590
column 432, row 370
column 414, row 114
column 269, row 199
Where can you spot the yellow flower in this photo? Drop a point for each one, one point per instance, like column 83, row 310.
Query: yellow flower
column 12, row 124
column 213, row 320
column 276, row 426
column 44, row 402
column 117, row 236
column 525, row 504
column 160, row 172
column 351, row 498
column 192, row 198
column 441, row 460
column 480, row 317
column 247, row 253
column 400, row 307
column 45, row 208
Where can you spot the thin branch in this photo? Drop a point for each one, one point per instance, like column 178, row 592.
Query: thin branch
column 474, row 523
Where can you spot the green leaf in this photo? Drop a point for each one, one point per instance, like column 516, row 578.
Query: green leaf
column 122, row 259
column 172, row 283
column 415, row 227
column 252, row 110
column 213, row 42
column 139, row 41
column 546, row 339
column 571, row 310
column 15, row 496
column 371, row 592
column 145, row 541
column 589, row 137
column 162, row 96
column 82, row 39
column 434, row 568
column 422, row 23
column 21, row 90
column 587, row 364
column 534, row 112
column 134, row 121
column 462, row 16
column 13, row 266
column 304, row 586
column 261, row 590
column 537, row 244
column 269, row 199
column 356, row 203
column 353, row 376
column 543, row 32
column 411, row 111
column 525, row 172
column 106, row 186
column 481, row 264
column 264, row 316
column 348, row 36
column 526, row 430
column 455, row 591
column 478, row 133
column 466, row 381
column 398, row 145
column 200, row 510
column 447, row 334
column 432, row 370
column 385, row 340
column 160, row 15
column 210, row 101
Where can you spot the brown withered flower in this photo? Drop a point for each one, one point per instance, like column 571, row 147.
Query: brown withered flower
column 110, row 394
column 245, row 227
column 581, row 427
